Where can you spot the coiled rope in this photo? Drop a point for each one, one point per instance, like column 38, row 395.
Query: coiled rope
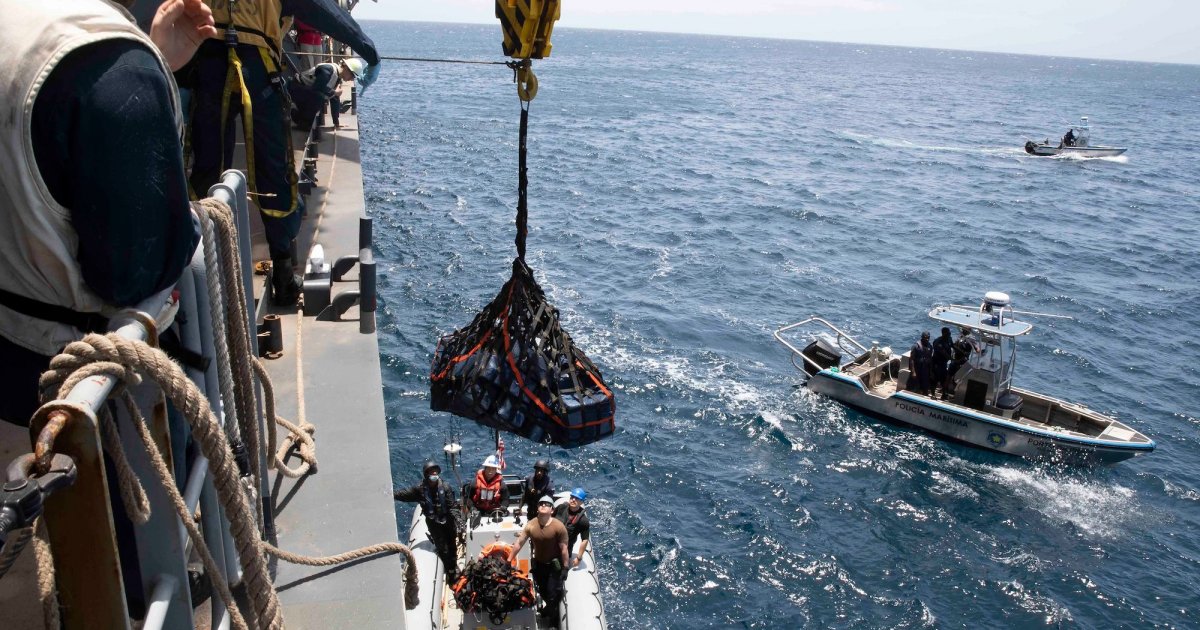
column 129, row 362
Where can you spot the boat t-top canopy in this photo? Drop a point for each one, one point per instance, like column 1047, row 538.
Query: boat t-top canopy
column 993, row 316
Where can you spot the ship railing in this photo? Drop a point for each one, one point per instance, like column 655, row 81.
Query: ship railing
column 841, row 339
column 95, row 553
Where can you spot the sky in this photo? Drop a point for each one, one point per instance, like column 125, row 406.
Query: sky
column 1134, row 30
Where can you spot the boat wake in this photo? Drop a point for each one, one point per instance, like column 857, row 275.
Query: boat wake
column 1097, row 509
column 897, row 143
column 1075, row 157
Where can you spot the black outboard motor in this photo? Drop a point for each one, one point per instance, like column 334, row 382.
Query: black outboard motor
column 1029, row 146
column 823, row 352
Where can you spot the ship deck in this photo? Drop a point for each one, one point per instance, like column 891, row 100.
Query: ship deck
column 329, row 375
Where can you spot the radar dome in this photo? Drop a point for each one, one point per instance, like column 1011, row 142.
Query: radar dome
column 996, row 298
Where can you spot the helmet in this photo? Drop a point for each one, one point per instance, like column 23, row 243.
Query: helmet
column 579, row 493
column 541, row 464
column 491, row 461
column 356, row 66
column 430, row 465
column 547, row 499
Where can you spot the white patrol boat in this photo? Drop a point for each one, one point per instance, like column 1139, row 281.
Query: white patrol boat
column 984, row 409
column 581, row 607
column 1074, row 142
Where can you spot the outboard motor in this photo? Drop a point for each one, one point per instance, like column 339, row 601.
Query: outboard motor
column 1029, row 146
column 823, row 352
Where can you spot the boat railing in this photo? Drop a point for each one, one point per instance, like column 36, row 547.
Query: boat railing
column 840, row 339
column 84, row 539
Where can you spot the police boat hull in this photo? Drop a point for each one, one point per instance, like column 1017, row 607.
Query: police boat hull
column 581, row 608
column 1045, row 150
column 981, row 407
column 1094, row 438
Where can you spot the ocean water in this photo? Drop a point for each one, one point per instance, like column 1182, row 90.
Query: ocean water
column 690, row 194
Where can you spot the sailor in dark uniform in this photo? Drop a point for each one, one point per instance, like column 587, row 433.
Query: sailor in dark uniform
column 441, row 514
column 920, row 360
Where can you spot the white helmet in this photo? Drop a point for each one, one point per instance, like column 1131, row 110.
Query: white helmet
column 357, row 67
column 491, row 462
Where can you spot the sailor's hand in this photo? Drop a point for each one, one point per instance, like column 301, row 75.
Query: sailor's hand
column 178, row 29
column 575, row 562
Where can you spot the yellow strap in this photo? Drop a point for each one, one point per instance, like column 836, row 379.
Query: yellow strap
column 235, row 81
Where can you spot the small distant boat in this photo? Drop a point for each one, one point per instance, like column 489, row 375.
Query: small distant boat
column 1074, row 142
column 984, row 409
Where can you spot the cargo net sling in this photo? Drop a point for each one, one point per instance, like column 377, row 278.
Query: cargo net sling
column 515, row 369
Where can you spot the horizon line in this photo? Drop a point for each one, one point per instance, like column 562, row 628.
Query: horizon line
column 815, row 41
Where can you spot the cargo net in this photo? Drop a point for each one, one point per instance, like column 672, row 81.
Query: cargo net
column 514, row 368
column 493, row 586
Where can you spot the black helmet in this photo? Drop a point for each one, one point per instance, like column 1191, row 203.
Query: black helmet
column 430, row 465
column 542, row 465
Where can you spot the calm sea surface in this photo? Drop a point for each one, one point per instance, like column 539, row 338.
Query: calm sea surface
column 690, row 194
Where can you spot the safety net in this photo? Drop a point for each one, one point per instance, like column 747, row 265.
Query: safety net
column 515, row 369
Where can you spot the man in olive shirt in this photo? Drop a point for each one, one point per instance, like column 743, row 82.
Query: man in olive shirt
column 548, row 538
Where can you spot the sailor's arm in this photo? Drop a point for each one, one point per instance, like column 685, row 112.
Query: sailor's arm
column 90, row 137
column 584, row 536
column 327, row 17
column 408, row 495
column 583, row 545
column 512, row 555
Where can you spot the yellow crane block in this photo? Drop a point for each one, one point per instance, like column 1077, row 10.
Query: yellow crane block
column 527, row 25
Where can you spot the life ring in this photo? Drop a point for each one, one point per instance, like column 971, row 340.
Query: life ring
column 498, row 550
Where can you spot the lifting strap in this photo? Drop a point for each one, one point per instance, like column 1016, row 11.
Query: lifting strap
column 522, row 184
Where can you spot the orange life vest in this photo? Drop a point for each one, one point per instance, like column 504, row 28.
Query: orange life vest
column 487, row 493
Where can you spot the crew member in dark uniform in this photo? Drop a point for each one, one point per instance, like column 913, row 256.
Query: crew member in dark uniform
column 322, row 83
column 1069, row 139
column 943, row 349
column 920, row 356
column 962, row 352
column 441, row 514
column 537, row 485
column 573, row 516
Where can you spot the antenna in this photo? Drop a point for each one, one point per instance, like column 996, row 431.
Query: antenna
column 452, row 449
column 1041, row 314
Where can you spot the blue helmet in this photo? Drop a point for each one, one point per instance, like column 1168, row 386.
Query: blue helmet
column 579, row 493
